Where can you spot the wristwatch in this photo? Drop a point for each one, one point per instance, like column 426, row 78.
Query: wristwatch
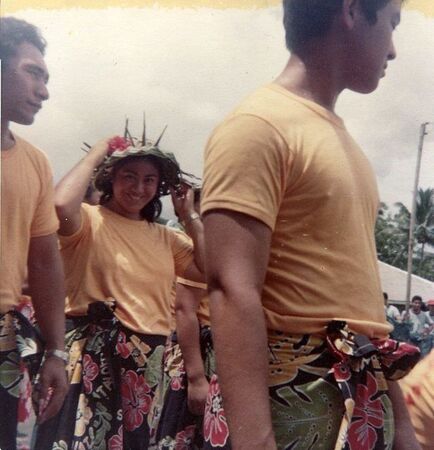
column 57, row 354
column 192, row 216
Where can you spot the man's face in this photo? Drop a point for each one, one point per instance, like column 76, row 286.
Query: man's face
column 416, row 306
column 24, row 85
column 372, row 47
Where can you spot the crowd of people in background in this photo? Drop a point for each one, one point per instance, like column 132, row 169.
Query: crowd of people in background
column 256, row 322
column 415, row 325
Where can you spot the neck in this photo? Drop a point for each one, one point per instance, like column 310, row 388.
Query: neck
column 7, row 138
column 315, row 74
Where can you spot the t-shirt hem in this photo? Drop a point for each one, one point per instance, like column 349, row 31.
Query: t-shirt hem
column 233, row 205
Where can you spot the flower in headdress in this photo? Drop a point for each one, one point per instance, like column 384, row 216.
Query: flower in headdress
column 118, row 143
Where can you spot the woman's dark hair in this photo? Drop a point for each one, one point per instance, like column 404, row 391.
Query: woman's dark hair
column 307, row 19
column 152, row 210
column 14, row 32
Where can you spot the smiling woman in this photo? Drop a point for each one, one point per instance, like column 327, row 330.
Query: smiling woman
column 120, row 267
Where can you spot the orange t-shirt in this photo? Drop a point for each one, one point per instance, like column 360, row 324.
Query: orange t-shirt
column 132, row 261
column 27, row 211
column 203, row 310
column 292, row 165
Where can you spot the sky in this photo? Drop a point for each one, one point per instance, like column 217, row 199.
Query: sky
column 187, row 66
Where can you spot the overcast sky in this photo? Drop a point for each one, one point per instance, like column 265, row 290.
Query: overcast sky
column 188, row 67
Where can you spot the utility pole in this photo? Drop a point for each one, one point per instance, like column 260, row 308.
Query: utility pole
column 423, row 133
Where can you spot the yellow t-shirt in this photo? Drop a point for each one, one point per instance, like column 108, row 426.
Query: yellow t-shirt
column 291, row 164
column 132, row 261
column 203, row 310
column 27, row 210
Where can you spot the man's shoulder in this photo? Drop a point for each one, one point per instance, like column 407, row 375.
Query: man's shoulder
column 29, row 150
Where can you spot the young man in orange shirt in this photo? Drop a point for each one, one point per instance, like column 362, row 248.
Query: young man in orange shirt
column 28, row 233
column 289, row 205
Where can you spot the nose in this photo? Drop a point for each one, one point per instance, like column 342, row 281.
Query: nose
column 139, row 187
column 42, row 91
column 392, row 51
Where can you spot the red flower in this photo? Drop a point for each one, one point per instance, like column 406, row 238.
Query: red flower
column 368, row 415
column 341, row 372
column 116, row 441
column 118, row 143
column 177, row 380
column 184, row 439
column 122, row 347
column 215, row 427
column 136, row 400
column 25, row 307
column 90, row 372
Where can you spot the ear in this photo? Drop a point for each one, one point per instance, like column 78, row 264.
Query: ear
column 349, row 13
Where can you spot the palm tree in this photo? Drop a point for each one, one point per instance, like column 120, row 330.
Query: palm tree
column 424, row 225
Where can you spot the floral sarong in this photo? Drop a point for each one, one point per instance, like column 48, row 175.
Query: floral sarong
column 324, row 393
column 113, row 373
column 177, row 427
column 20, row 358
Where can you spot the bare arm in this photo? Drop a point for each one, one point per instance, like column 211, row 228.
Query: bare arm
column 236, row 261
column 405, row 438
column 184, row 206
column 72, row 187
column 187, row 328
column 45, row 272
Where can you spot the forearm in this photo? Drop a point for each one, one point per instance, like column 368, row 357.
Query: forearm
column 194, row 229
column 240, row 341
column 45, row 273
column 405, row 438
column 187, row 329
column 72, row 187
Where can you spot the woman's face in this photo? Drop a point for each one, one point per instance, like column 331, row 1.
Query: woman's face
column 135, row 184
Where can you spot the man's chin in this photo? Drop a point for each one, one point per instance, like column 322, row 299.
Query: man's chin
column 24, row 120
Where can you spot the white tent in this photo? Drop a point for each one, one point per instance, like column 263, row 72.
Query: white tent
column 394, row 282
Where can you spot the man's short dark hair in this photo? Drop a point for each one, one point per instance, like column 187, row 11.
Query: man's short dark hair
column 14, row 32
column 416, row 297
column 308, row 19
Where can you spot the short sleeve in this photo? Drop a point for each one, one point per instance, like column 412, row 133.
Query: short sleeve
column 182, row 249
column 190, row 283
column 73, row 240
column 45, row 220
column 246, row 168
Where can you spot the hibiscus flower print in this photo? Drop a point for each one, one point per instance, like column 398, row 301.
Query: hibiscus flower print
column 122, row 347
column 116, row 441
column 184, row 438
column 177, row 378
column 90, row 372
column 215, row 427
column 25, row 399
column 136, row 399
column 368, row 416
column 83, row 416
column 341, row 372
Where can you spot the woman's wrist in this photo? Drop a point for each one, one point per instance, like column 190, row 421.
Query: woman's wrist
column 189, row 217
